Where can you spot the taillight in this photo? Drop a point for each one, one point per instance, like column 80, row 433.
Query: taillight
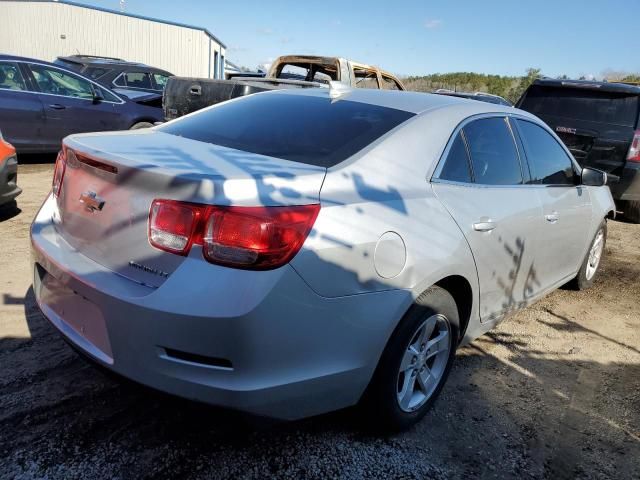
column 634, row 150
column 256, row 238
column 58, row 173
column 172, row 224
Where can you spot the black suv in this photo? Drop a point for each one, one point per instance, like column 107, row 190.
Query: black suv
column 600, row 123
column 129, row 78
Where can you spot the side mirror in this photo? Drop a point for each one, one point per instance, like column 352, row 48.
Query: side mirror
column 593, row 177
column 97, row 97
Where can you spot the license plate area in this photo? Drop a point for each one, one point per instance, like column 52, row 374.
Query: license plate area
column 78, row 318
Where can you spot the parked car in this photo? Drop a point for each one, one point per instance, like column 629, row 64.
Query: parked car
column 41, row 103
column 128, row 78
column 185, row 95
column 9, row 189
column 481, row 96
column 600, row 123
column 294, row 252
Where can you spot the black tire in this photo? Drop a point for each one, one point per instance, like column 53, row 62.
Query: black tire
column 582, row 280
column 380, row 403
column 139, row 125
column 632, row 211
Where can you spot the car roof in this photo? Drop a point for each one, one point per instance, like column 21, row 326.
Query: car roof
column 89, row 59
column 413, row 102
column 34, row 60
column 617, row 87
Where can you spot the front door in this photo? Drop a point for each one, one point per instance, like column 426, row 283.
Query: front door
column 69, row 104
column 566, row 204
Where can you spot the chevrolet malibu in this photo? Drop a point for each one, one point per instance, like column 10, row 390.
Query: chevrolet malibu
column 295, row 252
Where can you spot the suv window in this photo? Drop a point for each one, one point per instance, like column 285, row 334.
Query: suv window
column 57, row 82
column 95, row 72
column 493, row 152
column 137, row 80
column 10, row 77
column 366, row 78
column 301, row 128
column 456, row 166
column 160, row 80
column 590, row 105
column 550, row 164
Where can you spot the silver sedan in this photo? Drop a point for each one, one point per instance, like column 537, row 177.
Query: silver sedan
column 295, row 252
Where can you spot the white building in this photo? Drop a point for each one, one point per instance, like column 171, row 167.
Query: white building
column 48, row 29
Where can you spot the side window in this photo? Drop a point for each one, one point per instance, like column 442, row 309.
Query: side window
column 95, row 72
column 550, row 164
column 107, row 95
column 366, row 78
column 456, row 166
column 137, row 80
column 493, row 152
column 160, row 80
column 57, row 82
column 119, row 81
column 10, row 77
column 389, row 83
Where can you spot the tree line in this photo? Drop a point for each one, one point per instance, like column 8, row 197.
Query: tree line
column 509, row 87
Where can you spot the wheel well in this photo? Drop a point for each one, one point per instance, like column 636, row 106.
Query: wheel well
column 460, row 290
column 141, row 120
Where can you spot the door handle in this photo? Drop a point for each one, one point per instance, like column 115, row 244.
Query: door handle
column 57, row 106
column 195, row 90
column 484, row 226
column 552, row 217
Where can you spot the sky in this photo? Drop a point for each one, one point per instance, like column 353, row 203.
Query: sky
column 419, row 37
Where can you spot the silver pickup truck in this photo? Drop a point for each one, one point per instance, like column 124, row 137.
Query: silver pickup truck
column 184, row 95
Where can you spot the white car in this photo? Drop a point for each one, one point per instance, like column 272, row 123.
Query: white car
column 294, row 252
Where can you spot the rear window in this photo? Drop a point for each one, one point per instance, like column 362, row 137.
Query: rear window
column 594, row 106
column 311, row 130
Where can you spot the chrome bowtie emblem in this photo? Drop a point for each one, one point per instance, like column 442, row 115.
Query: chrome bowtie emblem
column 91, row 201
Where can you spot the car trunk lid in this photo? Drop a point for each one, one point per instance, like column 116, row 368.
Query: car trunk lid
column 111, row 180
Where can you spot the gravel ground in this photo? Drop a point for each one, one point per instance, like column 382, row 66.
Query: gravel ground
column 553, row 392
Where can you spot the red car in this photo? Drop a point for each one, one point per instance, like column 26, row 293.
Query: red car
column 9, row 189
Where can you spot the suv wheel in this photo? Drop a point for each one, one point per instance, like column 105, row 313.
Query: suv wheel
column 415, row 363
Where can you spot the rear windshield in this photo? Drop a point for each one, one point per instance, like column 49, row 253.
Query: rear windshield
column 593, row 106
column 311, row 130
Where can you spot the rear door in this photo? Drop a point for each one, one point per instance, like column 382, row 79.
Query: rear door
column 483, row 185
column 597, row 126
column 21, row 112
column 566, row 204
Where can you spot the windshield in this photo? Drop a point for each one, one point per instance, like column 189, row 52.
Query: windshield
column 313, row 130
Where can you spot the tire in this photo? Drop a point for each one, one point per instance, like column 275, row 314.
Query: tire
column 139, row 125
column 632, row 211
column 385, row 402
column 587, row 273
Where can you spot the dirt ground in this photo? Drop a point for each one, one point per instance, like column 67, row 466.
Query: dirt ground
column 553, row 392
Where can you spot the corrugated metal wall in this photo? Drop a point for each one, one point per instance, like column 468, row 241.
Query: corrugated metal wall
column 45, row 30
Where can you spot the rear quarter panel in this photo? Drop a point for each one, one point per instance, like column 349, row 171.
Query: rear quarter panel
column 380, row 226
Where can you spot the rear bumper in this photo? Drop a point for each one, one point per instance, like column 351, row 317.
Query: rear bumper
column 261, row 342
column 628, row 188
column 9, row 189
